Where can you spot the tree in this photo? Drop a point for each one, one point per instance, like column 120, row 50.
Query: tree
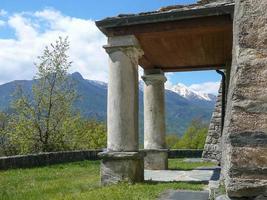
column 194, row 137
column 171, row 141
column 89, row 134
column 42, row 119
column 3, row 130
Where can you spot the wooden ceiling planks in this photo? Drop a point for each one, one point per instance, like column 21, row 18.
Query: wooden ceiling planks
column 184, row 45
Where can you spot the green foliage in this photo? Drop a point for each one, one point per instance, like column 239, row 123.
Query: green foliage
column 193, row 138
column 39, row 123
column 89, row 135
column 46, row 122
column 3, row 133
column 171, row 141
column 79, row 180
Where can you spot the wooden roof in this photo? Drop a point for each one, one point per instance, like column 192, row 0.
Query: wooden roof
column 179, row 38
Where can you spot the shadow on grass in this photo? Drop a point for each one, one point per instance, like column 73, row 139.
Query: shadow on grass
column 196, row 168
column 196, row 183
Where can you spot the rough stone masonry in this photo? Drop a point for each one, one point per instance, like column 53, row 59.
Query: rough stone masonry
column 212, row 148
column 245, row 130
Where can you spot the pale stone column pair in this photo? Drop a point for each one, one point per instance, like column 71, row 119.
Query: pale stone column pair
column 154, row 120
column 122, row 161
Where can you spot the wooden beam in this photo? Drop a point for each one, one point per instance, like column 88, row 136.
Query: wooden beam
column 191, row 68
column 183, row 25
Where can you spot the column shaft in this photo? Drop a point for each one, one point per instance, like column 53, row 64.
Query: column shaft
column 154, row 120
column 154, row 112
column 122, row 102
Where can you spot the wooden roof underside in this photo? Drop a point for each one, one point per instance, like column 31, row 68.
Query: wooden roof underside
column 196, row 43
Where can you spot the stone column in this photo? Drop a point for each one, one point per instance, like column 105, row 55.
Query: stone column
column 122, row 161
column 154, row 120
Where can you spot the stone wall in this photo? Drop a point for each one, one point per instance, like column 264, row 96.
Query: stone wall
column 43, row 159
column 244, row 157
column 185, row 153
column 212, row 149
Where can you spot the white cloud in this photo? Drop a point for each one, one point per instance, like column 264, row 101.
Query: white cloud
column 35, row 30
column 3, row 12
column 2, row 23
column 168, row 85
column 206, row 87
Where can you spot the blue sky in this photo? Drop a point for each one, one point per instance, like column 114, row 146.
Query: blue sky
column 26, row 26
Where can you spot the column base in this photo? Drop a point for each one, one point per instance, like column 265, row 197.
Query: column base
column 156, row 159
column 121, row 166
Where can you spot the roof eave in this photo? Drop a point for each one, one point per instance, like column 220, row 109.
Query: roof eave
column 172, row 15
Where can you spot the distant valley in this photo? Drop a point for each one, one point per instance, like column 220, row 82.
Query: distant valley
column 182, row 104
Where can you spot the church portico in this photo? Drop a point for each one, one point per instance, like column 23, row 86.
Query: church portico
column 159, row 42
column 201, row 36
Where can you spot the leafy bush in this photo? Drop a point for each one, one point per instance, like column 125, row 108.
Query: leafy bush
column 193, row 138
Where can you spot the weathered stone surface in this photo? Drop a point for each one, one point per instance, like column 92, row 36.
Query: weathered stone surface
column 154, row 109
column 156, row 159
column 121, row 166
column 185, row 153
column 225, row 197
column 122, row 118
column 244, row 136
column 199, row 175
column 122, row 162
column 154, row 120
column 222, row 197
column 215, row 1
column 212, row 148
column 184, row 195
column 110, row 155
column 48, row 158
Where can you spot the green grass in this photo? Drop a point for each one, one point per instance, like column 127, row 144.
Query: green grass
column 79, row 180
column 180, row 164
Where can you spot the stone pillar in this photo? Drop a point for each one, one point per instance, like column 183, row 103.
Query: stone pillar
column 154, row 120
column 122, row 161
column 244, row 153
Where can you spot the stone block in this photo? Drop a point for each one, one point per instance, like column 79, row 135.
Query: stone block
column 244, row 133
column 156, row 159
column 121, row 166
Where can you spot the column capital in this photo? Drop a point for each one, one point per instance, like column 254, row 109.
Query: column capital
column 128, row 44
column 152, row 76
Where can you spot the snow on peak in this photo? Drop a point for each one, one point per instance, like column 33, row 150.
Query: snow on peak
column 182, row 90
column 98, row 83
column 188, row 93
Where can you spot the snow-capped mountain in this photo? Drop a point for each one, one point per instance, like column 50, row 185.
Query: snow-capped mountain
column 188, row 93
column 182, row 104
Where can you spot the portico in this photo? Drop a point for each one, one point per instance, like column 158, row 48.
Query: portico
column 186, row 38
column 182, row 38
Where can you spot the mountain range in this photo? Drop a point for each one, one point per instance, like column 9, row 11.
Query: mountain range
column 182, row 103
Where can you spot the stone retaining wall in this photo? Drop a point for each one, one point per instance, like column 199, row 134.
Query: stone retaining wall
column 43, row 159
column 212, row 149
column 185, row 153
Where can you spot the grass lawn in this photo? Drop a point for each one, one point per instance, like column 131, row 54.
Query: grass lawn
column 180, row 164
column 80, row 180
